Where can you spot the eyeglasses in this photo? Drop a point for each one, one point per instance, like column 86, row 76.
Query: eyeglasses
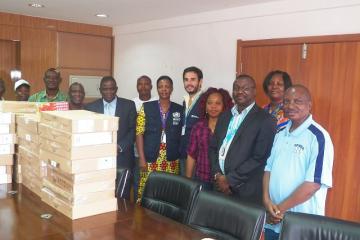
column 246, row 90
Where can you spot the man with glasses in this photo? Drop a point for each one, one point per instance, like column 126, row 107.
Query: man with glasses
column 125, row 109
column 241, row 144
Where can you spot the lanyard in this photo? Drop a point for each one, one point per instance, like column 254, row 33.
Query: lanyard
column 163, row 117
column 187, row 112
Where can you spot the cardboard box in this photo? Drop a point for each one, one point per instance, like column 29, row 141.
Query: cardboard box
column 80, row 121
column 28, row 121
column 77, row 166
column 6, row 149
column 5, row 178
column 31, row 162
column 94, row 151
column 32, row 147
column 27, row 134
column 76, row 139
column 76, row 199
column 32, row 183
column 6, row 169
column 7, row 159
column 78, row 211
column 18, row 107
column 102, row 180
column 8, row 138
column 7, row 128
column 7, row 118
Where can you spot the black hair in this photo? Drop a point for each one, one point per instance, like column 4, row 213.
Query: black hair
column 285, row 76
column 107, row 78
column 246, row 76
column 164, row 77
column 52, row 70
column 195, row 70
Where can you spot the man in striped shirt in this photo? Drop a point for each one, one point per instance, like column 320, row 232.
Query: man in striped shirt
column 299, row 169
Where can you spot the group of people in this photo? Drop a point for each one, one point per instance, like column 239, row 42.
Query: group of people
column 51, row 93
column 275, row 155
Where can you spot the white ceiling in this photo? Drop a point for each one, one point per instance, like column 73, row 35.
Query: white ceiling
column 120, row 11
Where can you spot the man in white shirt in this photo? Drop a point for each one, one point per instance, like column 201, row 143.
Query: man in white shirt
column 143, row 86
column 299, row 169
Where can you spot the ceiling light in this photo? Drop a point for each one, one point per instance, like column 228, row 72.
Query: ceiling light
column 101, row 15
column 36, row 5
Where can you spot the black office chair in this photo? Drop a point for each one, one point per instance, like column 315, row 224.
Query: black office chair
column 123, row 181
column 170, row 195
column 300, row 226
column 224, row 217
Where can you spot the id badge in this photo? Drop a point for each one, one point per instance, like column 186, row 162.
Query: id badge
column 222, row 151
column 163, row 137
column 183, row 131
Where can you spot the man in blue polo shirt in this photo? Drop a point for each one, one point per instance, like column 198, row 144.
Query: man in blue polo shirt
column 299, row 169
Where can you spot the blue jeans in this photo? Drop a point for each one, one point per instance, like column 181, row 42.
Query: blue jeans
column 271, row 235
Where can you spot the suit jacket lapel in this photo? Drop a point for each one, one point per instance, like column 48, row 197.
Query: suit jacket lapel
column 227, row 118
column 101, row 106
column 118, row 109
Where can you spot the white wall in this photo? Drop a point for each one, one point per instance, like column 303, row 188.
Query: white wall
column 208, row 40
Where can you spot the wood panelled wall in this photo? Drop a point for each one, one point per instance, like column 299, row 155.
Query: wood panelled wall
column 39, row 41
column 331, row 70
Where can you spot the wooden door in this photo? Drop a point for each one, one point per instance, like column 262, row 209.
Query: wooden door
column 258, row 61
column 331, row 71
column 8, row 61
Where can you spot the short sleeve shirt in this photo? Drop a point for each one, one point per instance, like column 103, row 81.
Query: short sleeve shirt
column 305, row 154
column 42, row 97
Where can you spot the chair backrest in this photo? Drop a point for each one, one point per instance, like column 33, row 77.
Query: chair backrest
column 300, row 226
column 170, row 195
column 122, row 175
column 224, row 217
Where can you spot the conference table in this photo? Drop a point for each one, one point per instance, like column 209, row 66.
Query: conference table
column 24, row 216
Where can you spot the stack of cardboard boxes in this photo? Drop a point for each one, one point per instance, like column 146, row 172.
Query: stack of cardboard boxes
column 29, row 169
column 79, row 149
column 7, row 146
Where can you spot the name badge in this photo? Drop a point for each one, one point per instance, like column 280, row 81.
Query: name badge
column 163, row 137
column 222, row 151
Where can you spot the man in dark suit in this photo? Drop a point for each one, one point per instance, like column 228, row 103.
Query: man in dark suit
column 241, row 144
column 125, row 109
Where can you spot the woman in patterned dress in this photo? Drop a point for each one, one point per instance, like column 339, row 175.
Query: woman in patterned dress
column 274, row 85
column 158, row 133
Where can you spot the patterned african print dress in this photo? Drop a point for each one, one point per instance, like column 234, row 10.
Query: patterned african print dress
column 161, row 163
column 278, row 113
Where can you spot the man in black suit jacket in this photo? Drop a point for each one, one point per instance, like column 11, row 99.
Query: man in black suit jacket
column 241, row 144
column 125, row 109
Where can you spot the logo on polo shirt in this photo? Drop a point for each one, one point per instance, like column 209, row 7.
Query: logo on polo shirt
column 298, row 148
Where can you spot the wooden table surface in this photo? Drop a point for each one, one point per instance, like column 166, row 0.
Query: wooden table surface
column 20, row 219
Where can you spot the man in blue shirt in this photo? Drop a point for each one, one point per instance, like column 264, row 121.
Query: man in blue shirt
column 299, row 169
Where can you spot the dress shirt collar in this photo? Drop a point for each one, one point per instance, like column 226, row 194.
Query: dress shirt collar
column 235, row 111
